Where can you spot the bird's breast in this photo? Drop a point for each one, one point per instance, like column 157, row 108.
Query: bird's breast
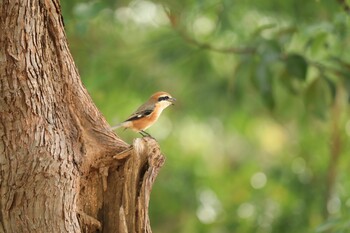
column 145, row 122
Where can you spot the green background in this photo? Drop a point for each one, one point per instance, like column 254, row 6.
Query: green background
column 258, row 139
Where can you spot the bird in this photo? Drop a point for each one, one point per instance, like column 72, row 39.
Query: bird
column 148, row 113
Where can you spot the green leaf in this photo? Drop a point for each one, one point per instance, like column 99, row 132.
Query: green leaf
column 331, row 85
column 245, row 67
column 269, row 50
column 292, row 85
column 263, row 81
column 296, row 66
column 285, row 35
column 262, row 28
column 318, row 42
column 318, row 97
column 343, row 69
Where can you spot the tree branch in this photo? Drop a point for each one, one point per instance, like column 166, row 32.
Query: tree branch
column 173, row 19
column 134, row 179
column 335, row 150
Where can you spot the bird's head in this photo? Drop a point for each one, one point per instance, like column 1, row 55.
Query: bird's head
column 162, row 99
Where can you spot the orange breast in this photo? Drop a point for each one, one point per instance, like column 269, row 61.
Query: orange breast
column 145, row 122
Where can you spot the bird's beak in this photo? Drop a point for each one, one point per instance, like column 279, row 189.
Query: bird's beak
column 172, row 100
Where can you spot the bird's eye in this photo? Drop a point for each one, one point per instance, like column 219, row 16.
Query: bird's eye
column 163, row 98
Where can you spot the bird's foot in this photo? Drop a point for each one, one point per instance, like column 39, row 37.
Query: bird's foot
column 145, row 134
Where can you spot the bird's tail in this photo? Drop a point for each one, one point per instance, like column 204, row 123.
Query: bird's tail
column 125, row 124
column 117, row 126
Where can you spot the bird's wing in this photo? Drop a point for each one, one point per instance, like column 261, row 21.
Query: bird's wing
column 142, row 111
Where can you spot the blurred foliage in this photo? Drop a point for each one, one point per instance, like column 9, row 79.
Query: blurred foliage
column 258, row 141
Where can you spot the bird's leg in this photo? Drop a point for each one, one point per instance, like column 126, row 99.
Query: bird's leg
column 144, row 134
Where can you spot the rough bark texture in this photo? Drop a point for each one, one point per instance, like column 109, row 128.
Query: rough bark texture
column 61, row 168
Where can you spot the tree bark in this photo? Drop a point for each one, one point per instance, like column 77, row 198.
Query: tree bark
column 61, row 167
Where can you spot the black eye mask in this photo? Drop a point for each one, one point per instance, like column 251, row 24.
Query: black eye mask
column 163, row 98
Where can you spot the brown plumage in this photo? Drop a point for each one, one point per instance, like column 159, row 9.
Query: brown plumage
column 148, row 113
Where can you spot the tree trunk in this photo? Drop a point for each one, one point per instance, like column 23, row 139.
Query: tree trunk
column 61, row 167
